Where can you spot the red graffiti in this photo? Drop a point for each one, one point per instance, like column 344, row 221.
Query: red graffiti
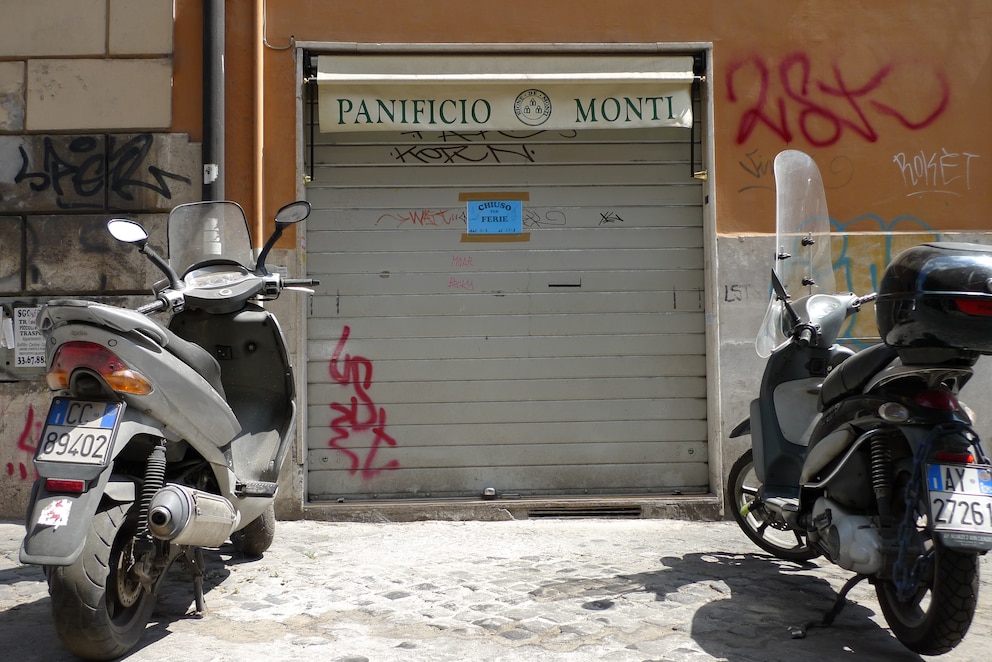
column 25, row 443
column 425, row 217
column 822, row 108
column 361, row 414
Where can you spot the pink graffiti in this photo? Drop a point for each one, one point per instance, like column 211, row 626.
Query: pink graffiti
column 361, row 414
column 26, row 444
column 461, row 284
column 425, row 217
column 821, row 107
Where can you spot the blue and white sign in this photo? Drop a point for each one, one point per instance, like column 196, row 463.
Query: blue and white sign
column 495, row 217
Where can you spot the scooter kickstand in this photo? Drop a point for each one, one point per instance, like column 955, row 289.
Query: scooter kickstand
column 194, row 556
column 828, row 618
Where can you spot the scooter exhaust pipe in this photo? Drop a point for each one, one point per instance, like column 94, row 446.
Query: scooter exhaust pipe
column 191, row 517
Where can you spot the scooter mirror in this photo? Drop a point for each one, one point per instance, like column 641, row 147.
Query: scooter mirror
column 294, row 212
column 127, row 231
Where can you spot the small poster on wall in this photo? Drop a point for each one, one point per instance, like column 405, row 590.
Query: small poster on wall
column 495, row 217
column 29, row 344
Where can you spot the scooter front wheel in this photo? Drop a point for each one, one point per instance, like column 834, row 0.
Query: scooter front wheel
column 765, row 529
column 254, row 539
column 99, row 606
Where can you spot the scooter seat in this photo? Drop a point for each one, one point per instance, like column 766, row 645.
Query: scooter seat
column 852, row 375
column 197, row 358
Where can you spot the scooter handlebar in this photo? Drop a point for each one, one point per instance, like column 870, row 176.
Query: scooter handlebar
column 153, row 307
column 299, row 282
column 868, row 297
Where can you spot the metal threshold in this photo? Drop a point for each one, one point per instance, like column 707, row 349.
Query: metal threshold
column 703, row 507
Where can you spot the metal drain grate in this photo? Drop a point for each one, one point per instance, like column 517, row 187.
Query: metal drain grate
column 577, row 512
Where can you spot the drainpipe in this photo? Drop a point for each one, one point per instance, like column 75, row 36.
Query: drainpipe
column 213, row 100
column 259, row 191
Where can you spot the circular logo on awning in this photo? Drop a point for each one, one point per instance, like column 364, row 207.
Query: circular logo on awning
column 532, row 107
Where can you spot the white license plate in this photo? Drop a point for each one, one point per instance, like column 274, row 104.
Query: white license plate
column 79, row 431
column 961, row 503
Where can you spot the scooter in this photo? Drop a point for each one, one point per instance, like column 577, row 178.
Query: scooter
column 870, row 458
column 161, row 440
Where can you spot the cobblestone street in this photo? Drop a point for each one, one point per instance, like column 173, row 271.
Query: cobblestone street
column 542, row 589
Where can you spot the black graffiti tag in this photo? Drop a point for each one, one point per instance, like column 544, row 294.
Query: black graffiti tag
column 86, row 171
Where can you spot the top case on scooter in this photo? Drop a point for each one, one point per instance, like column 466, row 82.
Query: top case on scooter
column 937, row 296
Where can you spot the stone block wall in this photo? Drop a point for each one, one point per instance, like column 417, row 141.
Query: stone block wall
column 85, row 135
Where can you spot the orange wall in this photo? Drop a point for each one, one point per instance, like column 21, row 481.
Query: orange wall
column 891, row 98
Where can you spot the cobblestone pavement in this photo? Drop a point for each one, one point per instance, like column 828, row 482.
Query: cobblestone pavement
column 540, row 589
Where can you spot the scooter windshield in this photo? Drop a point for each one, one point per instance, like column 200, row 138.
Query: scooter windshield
column 201, row 231
column 802, row 258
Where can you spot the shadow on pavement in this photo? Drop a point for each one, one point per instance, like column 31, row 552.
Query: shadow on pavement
column 749, row 603
column 28, row 631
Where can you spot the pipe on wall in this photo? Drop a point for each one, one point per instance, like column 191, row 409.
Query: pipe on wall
column 259, row 119
column 213, row 99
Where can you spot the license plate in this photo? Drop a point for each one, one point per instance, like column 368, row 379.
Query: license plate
column 961, row 504
column 79, row 431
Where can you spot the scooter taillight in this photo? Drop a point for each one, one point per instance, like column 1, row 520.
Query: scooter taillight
column 938, row 399
column 978, row 307
column 957, row 458
column 65, row 485
column 99, row 359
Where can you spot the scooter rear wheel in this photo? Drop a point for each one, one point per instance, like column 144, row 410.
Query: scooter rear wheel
column 764, row 528
column 936, row 617
column 99, row 607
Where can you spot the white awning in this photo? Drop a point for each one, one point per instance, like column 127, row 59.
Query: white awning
column 505, row 93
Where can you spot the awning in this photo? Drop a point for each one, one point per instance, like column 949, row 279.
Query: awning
column 505, row 92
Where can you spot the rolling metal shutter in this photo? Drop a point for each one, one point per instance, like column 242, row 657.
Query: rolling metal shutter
column 568, row 359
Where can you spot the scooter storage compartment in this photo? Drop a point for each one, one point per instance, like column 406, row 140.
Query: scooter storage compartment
column 937, row 296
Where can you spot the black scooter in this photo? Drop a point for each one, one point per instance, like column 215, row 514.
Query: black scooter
column 869, row 458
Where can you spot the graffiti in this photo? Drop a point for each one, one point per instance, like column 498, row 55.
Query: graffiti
column 461, row 261
column 439, row 218
column 838, row 173
column 759, row 168
column 84, row 170
column 360, row 415
column 461, row 284
column 943, row 172
column 464, row 154
column 864, row 254
column 793, row 101
column 551, row 218
column 742, row 292
column 26, row 443
column 464, row 147
column 609, row 217
column 424, row 218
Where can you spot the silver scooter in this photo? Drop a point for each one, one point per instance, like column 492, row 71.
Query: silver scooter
column 161, row 440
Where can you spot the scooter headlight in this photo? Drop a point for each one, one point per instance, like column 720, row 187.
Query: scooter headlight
column 893, row 412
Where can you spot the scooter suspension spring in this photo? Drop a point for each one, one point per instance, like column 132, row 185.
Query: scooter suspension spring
column 154, row 481
column 881, row 474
